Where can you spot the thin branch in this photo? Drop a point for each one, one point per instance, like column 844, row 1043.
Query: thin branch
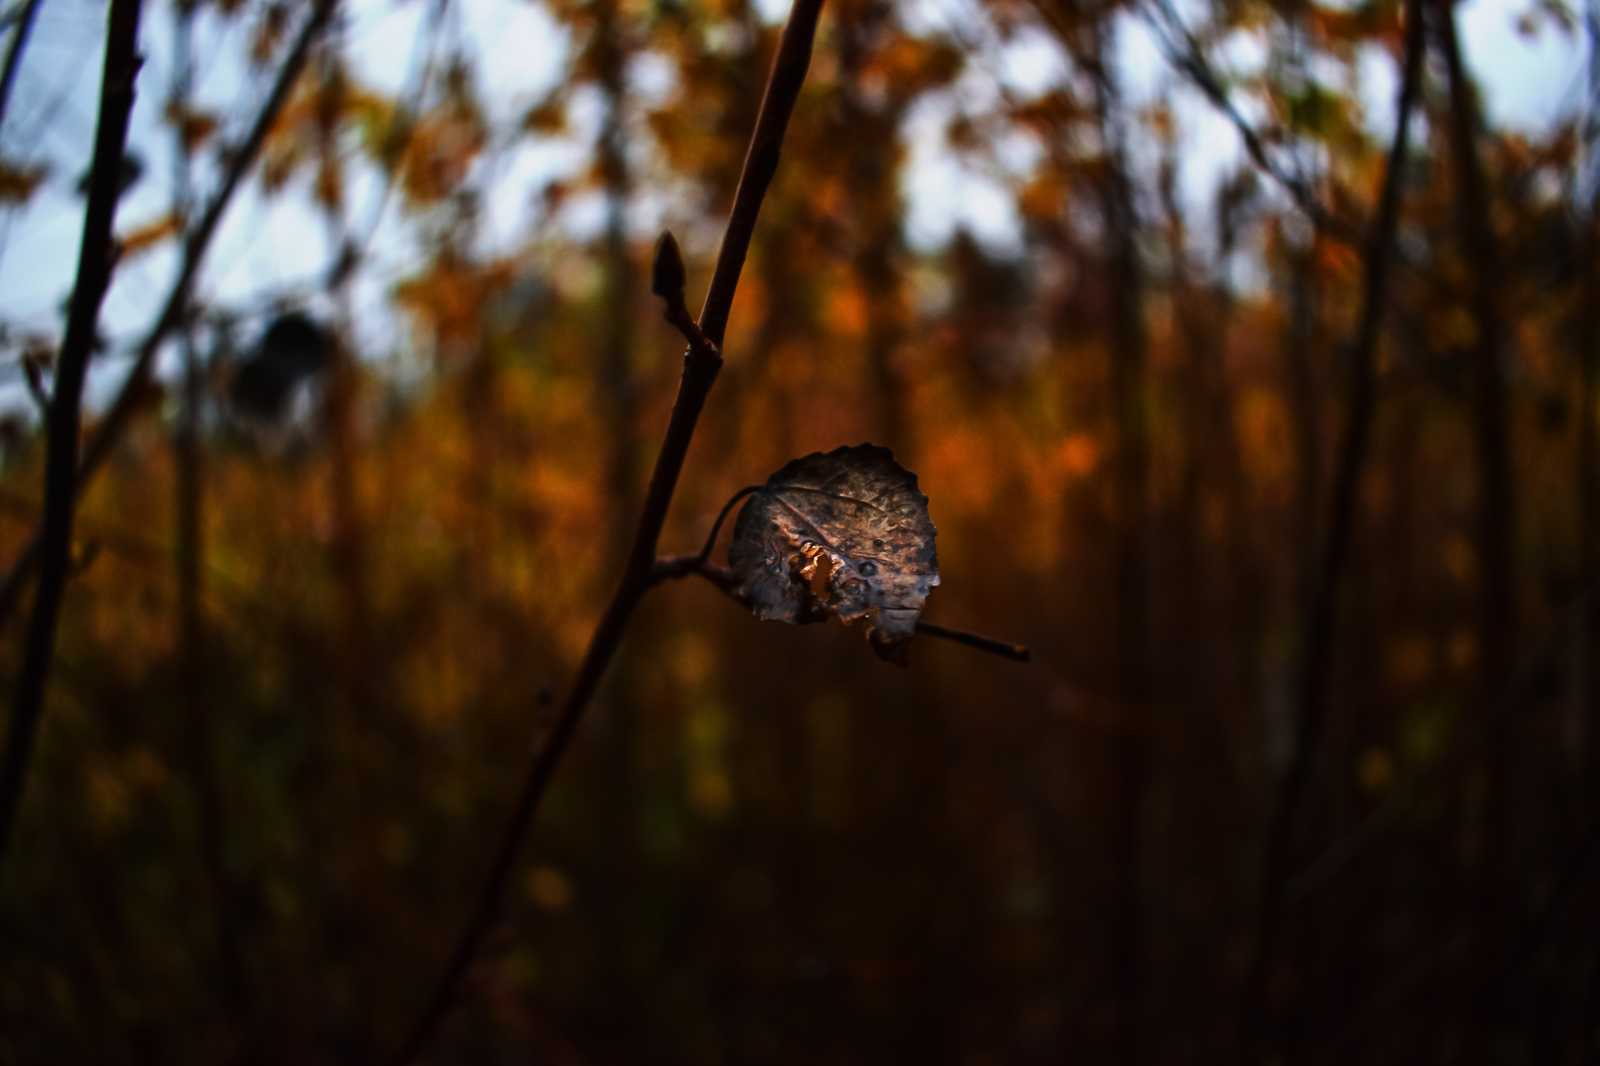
column 1188, row 57
column 674, row 567
column 1004, row 649
column 1319, row 628
column 19, row 41
column 34, row 377
column 1392, row 995
column 96, row 257
column 1318, row 873
column 700, row 370
column 667, row 280
column 135, row 387
column 716, row 527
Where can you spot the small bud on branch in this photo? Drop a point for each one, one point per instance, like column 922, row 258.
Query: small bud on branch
column 668, row 278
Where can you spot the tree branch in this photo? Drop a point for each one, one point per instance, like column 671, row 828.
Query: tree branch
column 1319, row 628
column 700, row 368
column 19, row 41
column 134, row 387
column 96, row 257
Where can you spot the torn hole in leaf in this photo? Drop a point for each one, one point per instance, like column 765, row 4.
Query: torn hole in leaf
column 844, row 533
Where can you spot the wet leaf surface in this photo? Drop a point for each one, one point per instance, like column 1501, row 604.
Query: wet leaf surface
column 843, row 533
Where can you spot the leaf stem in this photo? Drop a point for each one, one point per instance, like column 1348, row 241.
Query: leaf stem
column 1001, row 648
column 673, row 567
column 716, row 527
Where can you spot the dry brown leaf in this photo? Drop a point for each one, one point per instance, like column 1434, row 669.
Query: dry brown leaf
column 845, row 533
column 18, row 182
column 142, row 238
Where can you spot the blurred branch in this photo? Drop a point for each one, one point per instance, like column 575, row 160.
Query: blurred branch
column 34, row 377
column 96, row 257
column 19, row 41
column 700, row 368
column 1004, row 649
column 1188, row 56
column 1320, row 625
column 667, row 280
column 1544, row 923
column 1495, row 535
column 1392, row 995
column 111, row 426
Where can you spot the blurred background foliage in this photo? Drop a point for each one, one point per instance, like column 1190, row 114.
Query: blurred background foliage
column 296, row 686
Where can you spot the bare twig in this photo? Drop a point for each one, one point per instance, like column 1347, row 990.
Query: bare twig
column 700, row 368
column 96, row 257
column 135, row 387
column 1319, row 628
column 19, row 41
column 672, row 567
column 1543, row 925
column 1188, row 57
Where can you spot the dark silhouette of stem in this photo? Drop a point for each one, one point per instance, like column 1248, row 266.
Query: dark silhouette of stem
column 1320, row 625
column 1127, row 351
column 96, row 257
column 699, row 374
column 722, row 515
column 19, row 41
column 1588, row 458
column 1002, row 648
column 1188, row 57
column 1403, row 799
column 1497, row 628
column 870, row 180
column 136, row 386
column 674, row 567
